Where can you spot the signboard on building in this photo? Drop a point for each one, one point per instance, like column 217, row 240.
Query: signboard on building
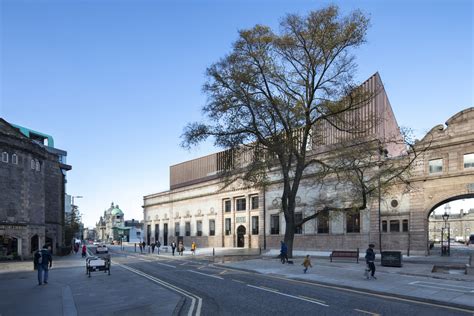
column 240, row 219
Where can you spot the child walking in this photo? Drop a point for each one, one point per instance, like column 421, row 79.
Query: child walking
column 306, row 263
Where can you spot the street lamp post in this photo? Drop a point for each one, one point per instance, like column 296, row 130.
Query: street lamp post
column 446, row 250
column 77, row 197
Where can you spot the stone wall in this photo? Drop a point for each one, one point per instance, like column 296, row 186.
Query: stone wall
column 31, row 192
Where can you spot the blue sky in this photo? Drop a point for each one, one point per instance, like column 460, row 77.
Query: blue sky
column 115, row 82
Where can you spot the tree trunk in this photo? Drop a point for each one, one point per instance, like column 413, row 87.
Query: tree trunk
column 290, row 224
column 289, row 237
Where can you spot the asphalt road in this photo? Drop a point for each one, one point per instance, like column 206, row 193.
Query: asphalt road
column 208, row 289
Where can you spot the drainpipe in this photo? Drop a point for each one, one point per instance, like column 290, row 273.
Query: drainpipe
column 264, row 218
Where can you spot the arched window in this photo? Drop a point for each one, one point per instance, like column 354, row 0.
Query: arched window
column 38, row 166
column 4, row 156
column 33, row 165
column 14, row 159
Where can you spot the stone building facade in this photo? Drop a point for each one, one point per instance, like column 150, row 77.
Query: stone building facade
column 197, row 208
column 108, row 224
column 32, row 190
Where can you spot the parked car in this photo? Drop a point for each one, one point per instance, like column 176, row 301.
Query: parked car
column 101, row 249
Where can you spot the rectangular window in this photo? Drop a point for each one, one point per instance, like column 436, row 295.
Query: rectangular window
column 353, row 222
column 187, row 228
column 298, row 218
column 323, row 222
column 157, row 232
column 212, row 227
column 227, row 206
column 254, row 225
column 240, row 204
column 275, row 224
column 199, row 228
column 14, row 159
column 405, row 225
column 227, row 226
column 148, row 234
column 436, row 165
column 469, row 161
column 176, row 229
column 395, row 226
column 5, row 157
column 384, row 226
column 254, row 202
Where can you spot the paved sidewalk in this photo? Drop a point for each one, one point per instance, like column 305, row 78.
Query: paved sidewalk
column 71, row 292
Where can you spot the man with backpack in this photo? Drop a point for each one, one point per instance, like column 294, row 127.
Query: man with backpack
column 370, row 260
column 43, row 262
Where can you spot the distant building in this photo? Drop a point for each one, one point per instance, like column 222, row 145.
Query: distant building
column 109, row 226
column 89, row 234
column 134, row 231
column 460, row 225
column 32, row 191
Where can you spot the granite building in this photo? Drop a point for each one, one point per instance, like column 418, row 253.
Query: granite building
column 109, row 226
column 32, row 191
column 199, row 208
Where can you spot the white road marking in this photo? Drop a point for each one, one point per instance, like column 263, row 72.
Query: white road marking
column 454, row 288
column 310, row 298
column 193, row 297
column 366, row 312
column 284, row 294
column 208, row 275
column 238, row 281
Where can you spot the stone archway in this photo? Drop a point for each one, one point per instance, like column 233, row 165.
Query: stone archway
column 241, row 236
column 456, row 223
column 446, row 198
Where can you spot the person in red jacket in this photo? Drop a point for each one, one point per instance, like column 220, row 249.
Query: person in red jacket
column 84, row 250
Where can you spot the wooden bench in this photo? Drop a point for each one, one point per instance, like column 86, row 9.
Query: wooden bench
column 345, row 254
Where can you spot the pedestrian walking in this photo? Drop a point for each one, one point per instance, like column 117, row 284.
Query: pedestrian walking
column 141, row 247
column 158, row 245
column 173, row 247
column 283, row 252
column 180, row 249
column 153, row 248
column 306, row 263
column 84, row 251
column 43, row 262
column 370, row 260
column 193, row 248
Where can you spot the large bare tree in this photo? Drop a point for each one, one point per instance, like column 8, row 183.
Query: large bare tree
column 274, row 90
